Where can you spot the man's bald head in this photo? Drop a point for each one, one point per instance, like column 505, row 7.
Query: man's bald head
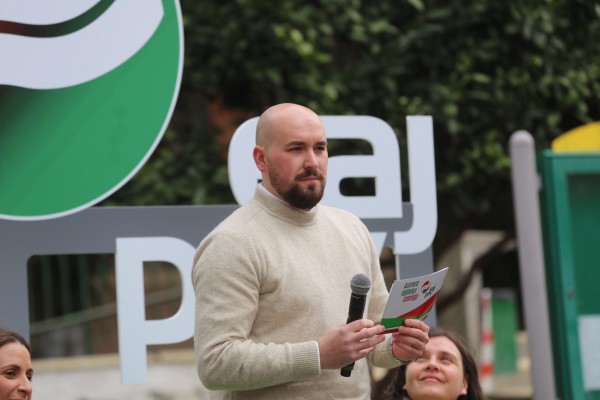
column 279, row 114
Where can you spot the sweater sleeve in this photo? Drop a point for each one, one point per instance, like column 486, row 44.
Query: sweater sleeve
column 227, row 277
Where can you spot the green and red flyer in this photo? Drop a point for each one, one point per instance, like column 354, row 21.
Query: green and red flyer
column 412, row 298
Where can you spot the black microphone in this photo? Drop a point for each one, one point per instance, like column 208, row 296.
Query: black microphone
column 360, row 286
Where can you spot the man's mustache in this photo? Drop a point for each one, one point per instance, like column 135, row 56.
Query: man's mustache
column 310, row 173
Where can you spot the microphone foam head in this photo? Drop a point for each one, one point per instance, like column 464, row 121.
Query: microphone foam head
column 360, row 284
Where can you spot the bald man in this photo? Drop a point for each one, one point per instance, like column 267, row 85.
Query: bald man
column 272, row 282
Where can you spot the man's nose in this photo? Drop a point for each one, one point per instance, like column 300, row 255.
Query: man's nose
column 311, row 160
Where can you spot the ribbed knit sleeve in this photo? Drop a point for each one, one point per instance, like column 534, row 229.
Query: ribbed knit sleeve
column 227, row 278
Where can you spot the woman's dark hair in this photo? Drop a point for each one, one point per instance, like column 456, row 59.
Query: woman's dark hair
column 7, row 337
column 395, row 391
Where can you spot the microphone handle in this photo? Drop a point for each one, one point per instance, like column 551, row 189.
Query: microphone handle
column 357, row 307
column 355, row 311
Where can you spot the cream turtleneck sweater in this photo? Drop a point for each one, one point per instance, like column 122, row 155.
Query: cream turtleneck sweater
column 270, row 280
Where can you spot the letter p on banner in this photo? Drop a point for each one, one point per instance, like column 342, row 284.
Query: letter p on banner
column 135, row 333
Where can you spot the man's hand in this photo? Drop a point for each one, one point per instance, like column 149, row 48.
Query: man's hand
column 344, row 344
column 410, row 339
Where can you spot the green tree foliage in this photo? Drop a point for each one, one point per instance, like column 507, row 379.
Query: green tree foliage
column 482, row 69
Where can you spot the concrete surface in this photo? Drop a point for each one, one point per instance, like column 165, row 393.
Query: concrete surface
column 514, row 386
column 171, row 375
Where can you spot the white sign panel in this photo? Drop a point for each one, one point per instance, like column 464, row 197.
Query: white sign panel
column 589, row 345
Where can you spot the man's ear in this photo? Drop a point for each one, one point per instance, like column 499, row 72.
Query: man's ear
column 259, row 158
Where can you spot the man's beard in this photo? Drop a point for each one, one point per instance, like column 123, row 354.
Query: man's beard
column 295, row 195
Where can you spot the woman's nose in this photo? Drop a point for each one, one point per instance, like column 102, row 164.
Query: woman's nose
column 432, row 363
column 25, row 386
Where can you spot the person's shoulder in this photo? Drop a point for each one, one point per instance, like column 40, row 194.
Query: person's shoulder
column 232, row 232
column 331, row 211
column 238, row 219
column 340, row 215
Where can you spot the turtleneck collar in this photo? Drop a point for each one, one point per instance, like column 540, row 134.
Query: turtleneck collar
column 282, row 210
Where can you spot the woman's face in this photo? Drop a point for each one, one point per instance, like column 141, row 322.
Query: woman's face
column 438, row 374
column 15, row 372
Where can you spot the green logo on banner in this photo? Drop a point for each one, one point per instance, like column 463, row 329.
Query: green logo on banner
column 86, row 92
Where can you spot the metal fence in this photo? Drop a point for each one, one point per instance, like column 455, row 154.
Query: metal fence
column 72, row 302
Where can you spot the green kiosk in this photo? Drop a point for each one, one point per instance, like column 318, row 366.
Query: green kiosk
column 570, row 211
